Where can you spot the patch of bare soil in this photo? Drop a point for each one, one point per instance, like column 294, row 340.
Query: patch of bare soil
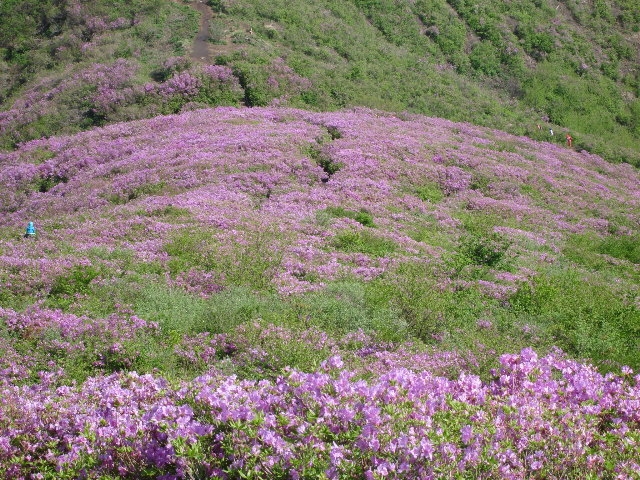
column 201, row 51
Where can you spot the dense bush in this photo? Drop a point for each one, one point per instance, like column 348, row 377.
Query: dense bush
column 586, row 318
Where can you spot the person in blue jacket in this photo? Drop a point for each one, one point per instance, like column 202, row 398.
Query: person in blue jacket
column 31, row 231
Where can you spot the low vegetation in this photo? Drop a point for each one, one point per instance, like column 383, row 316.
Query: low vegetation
column 524, row 67
column 371, row 259
column 202, row 299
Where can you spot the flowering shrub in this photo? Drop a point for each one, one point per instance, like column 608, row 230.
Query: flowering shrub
column 219, row 86
column 196, row 281
column 272, row 85
column 185, row 163
column 540, row 416
column 61, row 339
column 181, row 84
column 206, row 296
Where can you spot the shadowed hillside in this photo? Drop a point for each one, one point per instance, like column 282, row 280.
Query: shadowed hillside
column 571, row 66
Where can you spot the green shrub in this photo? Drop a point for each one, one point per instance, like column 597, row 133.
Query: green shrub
column 168, row 211
column 430, row 311
column 218, row 6
column 217, row 31
column 484, row 58
column 479, row 223
column 328, row 164
column 238, row 305
column 187, row 249
column 177, row 312
column 363, row 242
column 77, row 280
column 146, row 189
column 430, row 192
column 320, row 156
column 588, row 249
column 363, row 217
column 586, row 318
column 349, row 306
column 446, row 30
column 482, row 250
column 44, row 184
column 625, row 247
column 252, row 264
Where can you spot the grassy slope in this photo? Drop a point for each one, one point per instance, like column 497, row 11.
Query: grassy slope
column 571, row 66
column 264, row 239
column 52, row 53
column 510, row 67
column 412, row 227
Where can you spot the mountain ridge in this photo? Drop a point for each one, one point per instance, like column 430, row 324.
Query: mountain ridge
column 573, row 68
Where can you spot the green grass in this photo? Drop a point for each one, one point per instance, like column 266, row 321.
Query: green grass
column 493, row 64
column 362, row 216
column 356, row 241
column 252, row 263
column 596, row 252
column 430, row 192
column 585, row 317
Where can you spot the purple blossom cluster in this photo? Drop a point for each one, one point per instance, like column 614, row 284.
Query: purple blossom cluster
column 453, row 179
column 29, row 272
column 283, row 78
column 176, row 64
column 246, row 170
column 203, row 84
column 539, row 417
column 99, row 25
column 110, row 87
column 263, row 349
column 113, row 85
column 196, row 281
column 181, row 84
column 220, row 73
column 55, row 336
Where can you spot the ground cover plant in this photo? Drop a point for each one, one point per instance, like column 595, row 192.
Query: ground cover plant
column 279, row 293
column 525, row 66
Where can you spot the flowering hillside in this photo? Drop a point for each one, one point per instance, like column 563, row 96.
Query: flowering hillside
column 275, row 293
column 70, row 65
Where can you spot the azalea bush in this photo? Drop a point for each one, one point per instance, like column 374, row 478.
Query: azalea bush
column 539, row 416
column 203, row 298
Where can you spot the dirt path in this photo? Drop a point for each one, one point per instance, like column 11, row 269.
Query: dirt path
column 201, row 51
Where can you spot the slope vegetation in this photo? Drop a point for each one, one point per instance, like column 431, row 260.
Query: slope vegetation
column 279, row 293
column 570, row 66
column 440, row 223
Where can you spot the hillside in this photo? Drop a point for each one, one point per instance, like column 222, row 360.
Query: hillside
column 356, row 263
column 570, row 66
column 319, row 240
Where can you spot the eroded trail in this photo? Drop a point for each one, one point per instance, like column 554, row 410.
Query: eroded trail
column 201, row 47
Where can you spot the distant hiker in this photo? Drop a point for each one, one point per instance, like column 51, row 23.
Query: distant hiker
column 31, row 231
column 569, row 140
column 551, row 132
